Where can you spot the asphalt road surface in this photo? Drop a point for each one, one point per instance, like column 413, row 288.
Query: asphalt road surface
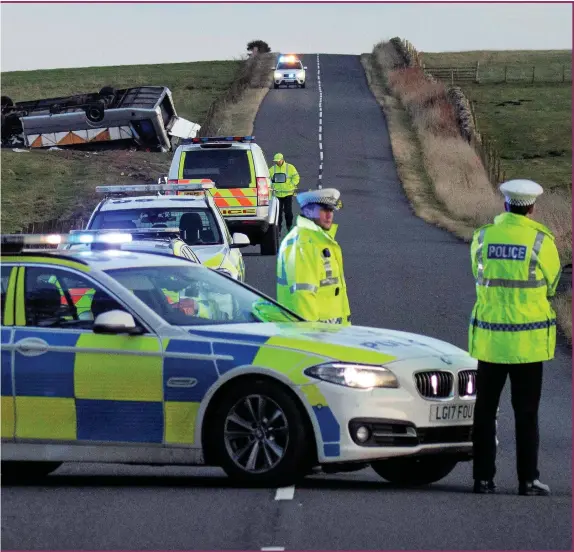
column 403, row 274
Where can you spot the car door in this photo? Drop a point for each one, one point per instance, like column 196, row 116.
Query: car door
column 75, row 386
column 7, row 311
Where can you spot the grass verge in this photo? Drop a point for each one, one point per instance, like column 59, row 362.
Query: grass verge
column 42, row 186
column 443, row 176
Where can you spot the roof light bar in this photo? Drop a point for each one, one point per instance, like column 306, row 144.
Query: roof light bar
column 197, row 184
column 207, row 139
column 16, row 243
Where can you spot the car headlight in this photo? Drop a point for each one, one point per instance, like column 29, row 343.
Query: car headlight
column 359, row 376
column 301, row 75
column 277, row 75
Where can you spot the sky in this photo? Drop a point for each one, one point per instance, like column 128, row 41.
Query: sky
column 36, row 36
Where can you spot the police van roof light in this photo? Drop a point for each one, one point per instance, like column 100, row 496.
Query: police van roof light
column 201, row 184
column 206, row 139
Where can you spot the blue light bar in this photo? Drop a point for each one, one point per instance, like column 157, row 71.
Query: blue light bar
column 206, row 139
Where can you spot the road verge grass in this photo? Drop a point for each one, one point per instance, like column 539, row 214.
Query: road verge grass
column 442, row 174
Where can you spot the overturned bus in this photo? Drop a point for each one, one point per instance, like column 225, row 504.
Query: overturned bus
column 144, row 115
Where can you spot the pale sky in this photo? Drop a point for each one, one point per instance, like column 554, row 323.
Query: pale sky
column 36, row 36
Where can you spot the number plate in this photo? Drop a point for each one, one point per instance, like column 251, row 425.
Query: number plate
column 191, row 192
column 448, row 413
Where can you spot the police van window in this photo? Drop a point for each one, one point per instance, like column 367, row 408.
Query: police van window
column 227, row 167
column 199, row 223
column 55, row 298
column 6, row 270
column 191, row 296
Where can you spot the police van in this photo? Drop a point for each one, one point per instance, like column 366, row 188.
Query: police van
column 237, row 166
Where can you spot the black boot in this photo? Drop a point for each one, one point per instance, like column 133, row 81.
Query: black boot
column 533, row 488
column 484, row 487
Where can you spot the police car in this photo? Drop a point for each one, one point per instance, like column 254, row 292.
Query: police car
column 185, row 209
column 241, row 383
column 289, row 70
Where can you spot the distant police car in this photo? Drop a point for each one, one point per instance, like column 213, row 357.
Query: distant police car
column 289, row 70
column 217, row 375
column 187, row 210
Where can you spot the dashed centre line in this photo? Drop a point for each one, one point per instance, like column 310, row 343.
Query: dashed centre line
column 320, row 121
column 285, row 493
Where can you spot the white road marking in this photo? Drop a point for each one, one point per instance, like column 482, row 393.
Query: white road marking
column 273, row 548
column 285, row 493
column 320, row 87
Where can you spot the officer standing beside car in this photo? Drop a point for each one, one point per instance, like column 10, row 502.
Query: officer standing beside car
column 286, row 190
column 512, row 330
column 310, row 278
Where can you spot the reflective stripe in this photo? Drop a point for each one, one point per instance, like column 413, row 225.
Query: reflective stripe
column 303, row 287
column 512, row 327
column 328, row 268
column 20, row 306
column 531, row 283
column 534, row 257
column 329, row 282
column 10, row 298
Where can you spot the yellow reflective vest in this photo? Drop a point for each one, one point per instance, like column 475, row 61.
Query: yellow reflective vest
column 516, row 267
column 289, row 187
column 310, row 279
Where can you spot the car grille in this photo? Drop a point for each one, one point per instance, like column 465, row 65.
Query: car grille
column 467, row 383
column 434, row 384
column 394, row 435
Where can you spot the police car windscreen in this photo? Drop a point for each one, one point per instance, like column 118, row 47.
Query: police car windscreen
column 228, row 168
column 295, row 65
column 200, row 225
column 188, row 296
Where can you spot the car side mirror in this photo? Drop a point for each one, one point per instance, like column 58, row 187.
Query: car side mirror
column 305, row 68
column 239, row 240
column 279, row 178
column 116, row 322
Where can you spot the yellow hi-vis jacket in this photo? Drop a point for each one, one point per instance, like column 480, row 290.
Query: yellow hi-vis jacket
column 310, row 279
column 516, row 267
column 289, row 187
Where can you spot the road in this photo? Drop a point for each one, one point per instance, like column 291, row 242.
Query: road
column 402, row 274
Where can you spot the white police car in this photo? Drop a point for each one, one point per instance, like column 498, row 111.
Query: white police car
column 187, row 210
column 289, row 70
column 173, row 363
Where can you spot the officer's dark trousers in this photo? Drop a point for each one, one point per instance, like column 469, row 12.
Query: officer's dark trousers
column 525, row 388
column 286, row 209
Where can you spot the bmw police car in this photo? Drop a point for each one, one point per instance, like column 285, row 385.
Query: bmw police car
column 186, row 209
column 242, row 383
column 289, row 70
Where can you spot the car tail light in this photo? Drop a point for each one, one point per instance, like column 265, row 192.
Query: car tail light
column 262, row 191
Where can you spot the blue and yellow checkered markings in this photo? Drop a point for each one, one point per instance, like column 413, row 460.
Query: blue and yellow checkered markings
column 6, row 363
column 196, row 376
column 243, row 355
column 328, row 424
column 7, row 400
column 50, row 374
column 231, row 336
column 120, row 421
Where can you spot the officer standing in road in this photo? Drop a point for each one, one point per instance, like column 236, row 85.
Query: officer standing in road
column 512, row 330
column 310, row 279
column 284, row 192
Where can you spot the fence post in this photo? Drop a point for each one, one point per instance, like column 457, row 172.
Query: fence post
column 476, row 79
column 533, row 73
column 563, row 73
column 452, row 77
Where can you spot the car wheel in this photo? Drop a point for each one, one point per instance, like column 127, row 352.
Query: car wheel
column 18, row 470
column 415, row 471
column 261, row 436
column 275, row 86
column 270, row 241
column 303, row 85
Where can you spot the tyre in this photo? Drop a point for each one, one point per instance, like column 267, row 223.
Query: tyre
column 261, row 435
column 95, row 112
column 275, row 86
column 28, row 470
column 303, row 85
column 415, row 471
column 270, row 241
column 6, row 101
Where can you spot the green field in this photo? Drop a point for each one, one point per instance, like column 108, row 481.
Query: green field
column 44, row 185
column 529, row 124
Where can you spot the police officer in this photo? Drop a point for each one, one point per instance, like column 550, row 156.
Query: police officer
column 310, row 279
column 512, row 330
column 284, row 192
